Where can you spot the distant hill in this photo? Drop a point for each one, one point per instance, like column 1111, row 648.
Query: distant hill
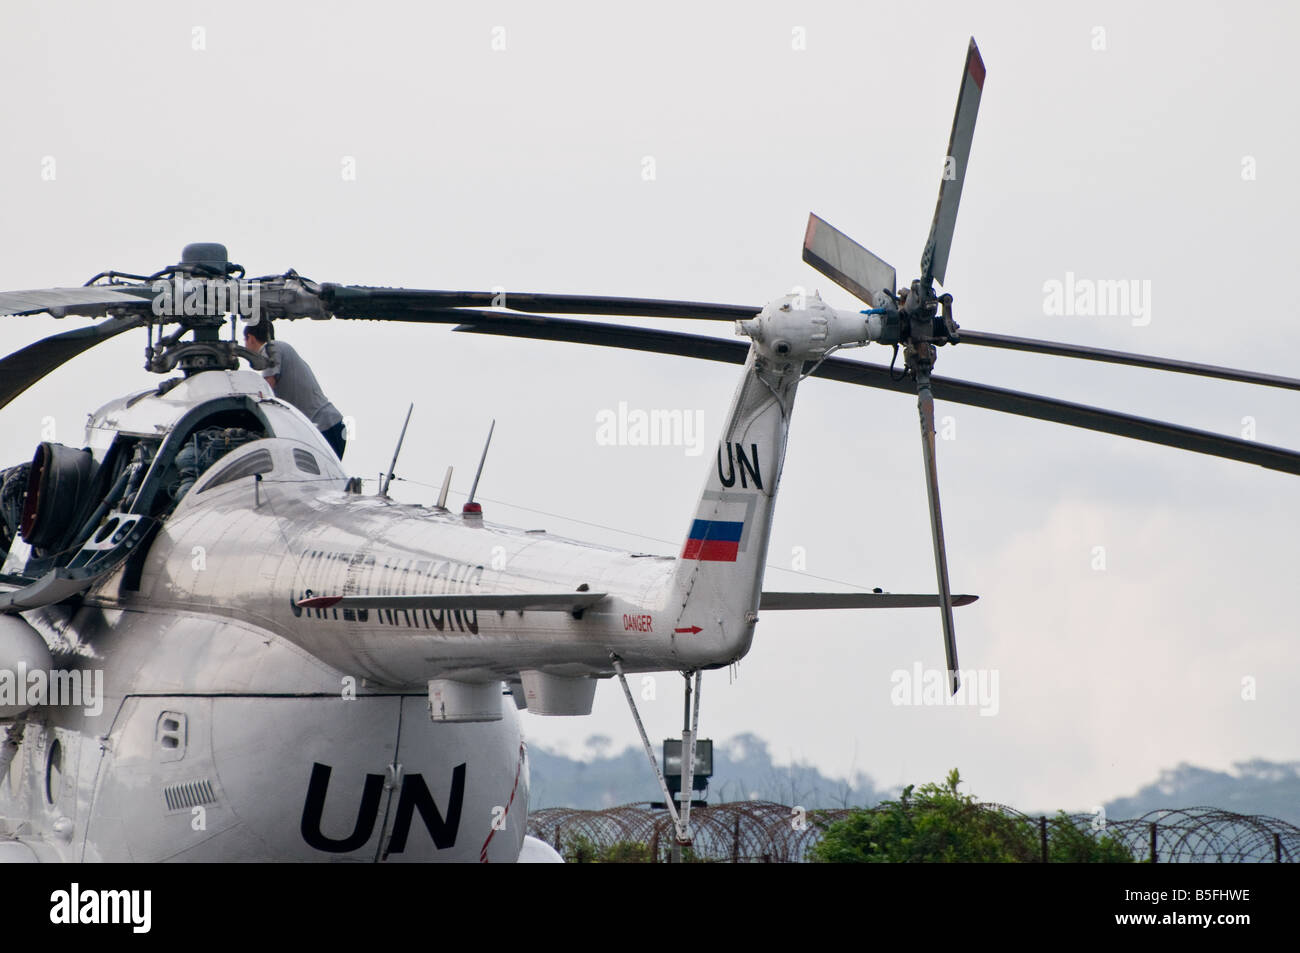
column 1255, row 787
column 743, row 771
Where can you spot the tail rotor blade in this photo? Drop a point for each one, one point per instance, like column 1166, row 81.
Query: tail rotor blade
column 845, row 262
column 934, row 260
column 925, row 404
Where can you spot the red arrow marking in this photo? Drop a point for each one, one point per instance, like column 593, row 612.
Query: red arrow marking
column 692, row 630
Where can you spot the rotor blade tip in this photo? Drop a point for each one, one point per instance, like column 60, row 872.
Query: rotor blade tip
column 975, row 64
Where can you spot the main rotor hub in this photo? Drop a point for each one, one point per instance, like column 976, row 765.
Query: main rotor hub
column 202, row 293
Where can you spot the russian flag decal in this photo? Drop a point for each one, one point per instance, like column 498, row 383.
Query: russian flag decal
column 714, row 540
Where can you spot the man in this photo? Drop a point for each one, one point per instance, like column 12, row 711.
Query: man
column 292, row 381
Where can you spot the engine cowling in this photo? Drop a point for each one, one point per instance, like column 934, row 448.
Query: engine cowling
column 58, row 484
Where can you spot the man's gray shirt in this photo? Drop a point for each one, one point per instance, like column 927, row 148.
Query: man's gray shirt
column 295, row 383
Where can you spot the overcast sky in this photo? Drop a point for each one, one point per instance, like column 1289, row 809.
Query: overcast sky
column 675, row 150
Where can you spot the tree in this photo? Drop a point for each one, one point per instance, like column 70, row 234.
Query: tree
column 938, row 824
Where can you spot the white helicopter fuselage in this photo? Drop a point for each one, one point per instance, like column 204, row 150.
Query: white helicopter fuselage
column 235, row 723
column 231, row 727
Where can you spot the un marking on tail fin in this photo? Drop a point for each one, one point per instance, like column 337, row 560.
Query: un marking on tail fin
column 747, row 465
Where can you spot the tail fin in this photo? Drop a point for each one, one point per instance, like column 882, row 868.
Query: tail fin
column 718, row 581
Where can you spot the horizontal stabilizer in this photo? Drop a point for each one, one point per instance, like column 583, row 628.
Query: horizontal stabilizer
column 854, row 600
column 538, row 601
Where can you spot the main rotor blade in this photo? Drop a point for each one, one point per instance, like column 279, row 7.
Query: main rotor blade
column 1034, row 346
column 925, row 404
column 847, row 263
column 400, row 304
column 934, row 260
column 356, row 301
column 874, row 375
column 23, row 368
column 89, row 300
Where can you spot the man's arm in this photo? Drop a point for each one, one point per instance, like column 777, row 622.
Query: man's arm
column 272, row 371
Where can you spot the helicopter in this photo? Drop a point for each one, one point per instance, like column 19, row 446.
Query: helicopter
column 292, row 669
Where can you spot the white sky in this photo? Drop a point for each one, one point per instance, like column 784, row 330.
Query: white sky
column 523, row 168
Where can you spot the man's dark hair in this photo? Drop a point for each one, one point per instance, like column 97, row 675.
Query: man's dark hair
column 262, row 331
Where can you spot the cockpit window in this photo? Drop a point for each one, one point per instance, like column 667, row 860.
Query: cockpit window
column 306, row 462
column 259, row 461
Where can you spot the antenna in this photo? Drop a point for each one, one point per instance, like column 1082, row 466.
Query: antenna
column 446, row 485
column 387, row 480
column 470, row 505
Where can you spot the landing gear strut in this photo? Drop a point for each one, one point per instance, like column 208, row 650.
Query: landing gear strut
column 690, row 731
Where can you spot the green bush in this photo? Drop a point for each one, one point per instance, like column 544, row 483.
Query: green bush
column 580, row 849
column 938, row 824
column 1067, row 844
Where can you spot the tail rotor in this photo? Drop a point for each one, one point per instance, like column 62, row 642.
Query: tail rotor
column 914, row 318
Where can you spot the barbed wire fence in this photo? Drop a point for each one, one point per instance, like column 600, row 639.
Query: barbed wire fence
column 766, row 832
